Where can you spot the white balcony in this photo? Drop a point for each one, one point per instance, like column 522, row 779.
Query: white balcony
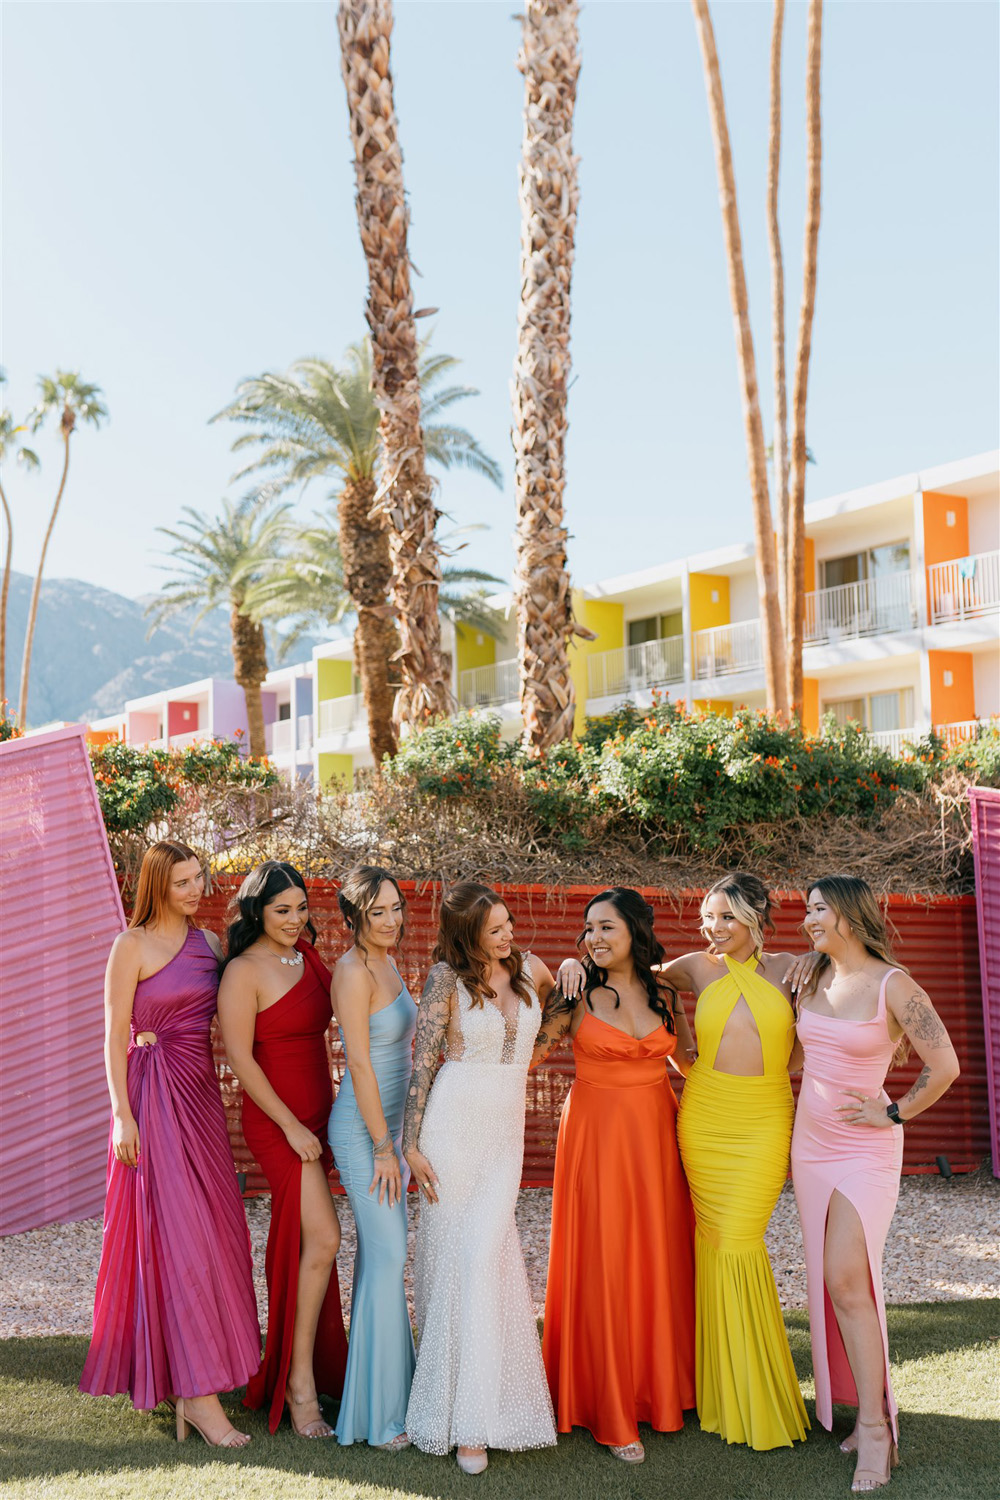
column 304, row 733
column 338, row 715
column 874, row 606
column 895, row 740
column 479, row 687
column 279, row 738
column 185, row 741
column 964, row 589
column 631, row 669
column 727, row 650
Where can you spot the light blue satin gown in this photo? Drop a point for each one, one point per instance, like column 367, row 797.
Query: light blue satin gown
column 380, row 1358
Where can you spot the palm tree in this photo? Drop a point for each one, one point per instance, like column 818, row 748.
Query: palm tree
column 220, row 558
column 800, row 454
column 405, row 493
column 76, row 401
column 778, row 452
column 10, row 432
column 549, row 195
column 767, row 576
column 320, row 421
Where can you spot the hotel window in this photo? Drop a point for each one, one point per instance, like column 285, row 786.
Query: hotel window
column 876, row 711
column 856, row 567
column 284, row 711
column 655, row 628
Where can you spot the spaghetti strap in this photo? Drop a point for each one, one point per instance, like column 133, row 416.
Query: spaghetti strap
column 880, row 1013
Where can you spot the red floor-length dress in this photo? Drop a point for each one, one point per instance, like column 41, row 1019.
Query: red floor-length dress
column 290, row 1047
column 619, row 1305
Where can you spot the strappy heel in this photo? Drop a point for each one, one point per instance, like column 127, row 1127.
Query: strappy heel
column 317, row 1421
column 629, row 1453
column 874, row 1479
column 396, row 1444
column 232, row 1439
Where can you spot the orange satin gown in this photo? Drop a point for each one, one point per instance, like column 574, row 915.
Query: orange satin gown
column 619, row 1306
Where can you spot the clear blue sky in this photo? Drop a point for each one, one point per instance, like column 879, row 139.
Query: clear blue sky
column 178, row 214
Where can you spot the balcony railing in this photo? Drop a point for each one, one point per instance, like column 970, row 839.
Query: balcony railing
column 500, row 682
column 613, row 674
column 895, row 740
column 305, row 732
column 727, row 649
column 337, row 715
column 965, row 588
column 278, row 737
column 874, row 606
column 185, row 741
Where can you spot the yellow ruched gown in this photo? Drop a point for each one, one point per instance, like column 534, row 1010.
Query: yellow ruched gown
column 734, row 1136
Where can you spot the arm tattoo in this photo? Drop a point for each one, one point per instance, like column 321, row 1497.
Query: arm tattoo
column 432, row 1026
column 921, row 1022
column 921, row 1083
column 556, row 1019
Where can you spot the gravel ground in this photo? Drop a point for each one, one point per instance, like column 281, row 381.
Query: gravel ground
column 943, row 1246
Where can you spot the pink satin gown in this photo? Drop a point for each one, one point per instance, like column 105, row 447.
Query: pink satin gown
column 862, row 1162
column 174, row 1312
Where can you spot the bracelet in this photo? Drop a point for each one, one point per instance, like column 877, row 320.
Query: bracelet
column 892, row 1111
column 382, row 1147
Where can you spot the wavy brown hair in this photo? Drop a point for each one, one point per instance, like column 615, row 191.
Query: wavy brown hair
column 154, row 880
column 358, row 894
column 465, row 911
column 647, row 950
column 858, row 910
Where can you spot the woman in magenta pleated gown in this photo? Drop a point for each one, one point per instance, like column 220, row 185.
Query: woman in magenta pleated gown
column 174, row 1316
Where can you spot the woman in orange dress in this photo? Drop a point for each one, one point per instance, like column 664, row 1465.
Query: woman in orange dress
column 618, row 1343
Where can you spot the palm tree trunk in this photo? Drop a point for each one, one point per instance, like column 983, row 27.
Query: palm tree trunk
column 797, row 489
column 364, row 548
column 549, row 195
column 250, row 661
column 772, row 638
column 67, row 424
column 405, row 495
column 4, row 592
column 780, row 448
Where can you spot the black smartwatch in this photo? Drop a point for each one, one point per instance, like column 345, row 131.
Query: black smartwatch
column 893, row 1112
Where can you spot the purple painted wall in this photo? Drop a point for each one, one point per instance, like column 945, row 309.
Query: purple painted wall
column 59, row 916
column 229, row 710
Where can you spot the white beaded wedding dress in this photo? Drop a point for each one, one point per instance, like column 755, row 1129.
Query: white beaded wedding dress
column 479, row 1380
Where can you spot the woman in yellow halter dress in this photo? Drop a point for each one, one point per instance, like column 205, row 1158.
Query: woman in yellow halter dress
column 734, row 1130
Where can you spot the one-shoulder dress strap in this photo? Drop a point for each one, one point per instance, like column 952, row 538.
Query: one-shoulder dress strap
column 880, row 1013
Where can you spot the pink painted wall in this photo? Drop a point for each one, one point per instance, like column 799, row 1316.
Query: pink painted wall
column 59, row 916
column 143, row 726
column 177, row 723
column 986, row 851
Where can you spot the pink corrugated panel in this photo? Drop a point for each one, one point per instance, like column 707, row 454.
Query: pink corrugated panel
column 986, row 850
column 59, row 914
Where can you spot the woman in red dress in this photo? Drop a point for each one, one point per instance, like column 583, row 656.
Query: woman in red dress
column 274, row 1009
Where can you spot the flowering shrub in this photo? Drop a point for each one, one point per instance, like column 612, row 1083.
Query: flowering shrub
column 140, row 787
column 9, row 729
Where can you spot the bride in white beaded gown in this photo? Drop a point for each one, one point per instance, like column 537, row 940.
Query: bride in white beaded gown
column 479, row 1381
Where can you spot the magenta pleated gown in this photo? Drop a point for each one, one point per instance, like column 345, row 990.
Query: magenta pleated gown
column 174, row 1312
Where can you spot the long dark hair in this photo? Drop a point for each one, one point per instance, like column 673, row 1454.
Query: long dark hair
column 357, row 895
column 246, row 910
column 647, row 950
column 465, row 911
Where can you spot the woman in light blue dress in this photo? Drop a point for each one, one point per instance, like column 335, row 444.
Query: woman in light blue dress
column 377, row 1018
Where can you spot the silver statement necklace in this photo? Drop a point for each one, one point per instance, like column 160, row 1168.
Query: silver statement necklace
column 294, row 961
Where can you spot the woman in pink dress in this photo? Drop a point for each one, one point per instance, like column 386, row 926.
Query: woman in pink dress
column 847, row 1152
column 175, row 1318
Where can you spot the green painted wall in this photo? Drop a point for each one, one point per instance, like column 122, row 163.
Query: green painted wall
column 336, row 768
column 334, row 678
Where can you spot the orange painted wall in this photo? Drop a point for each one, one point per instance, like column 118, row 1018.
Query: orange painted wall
column 810, row 565
column 102, row 736
column 810, row 705
column 942, row 542
column 954, row 704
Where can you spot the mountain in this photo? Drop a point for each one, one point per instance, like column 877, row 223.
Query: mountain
column 91, row 653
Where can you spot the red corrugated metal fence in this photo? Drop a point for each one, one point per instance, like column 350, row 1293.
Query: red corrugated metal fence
column 936, row 939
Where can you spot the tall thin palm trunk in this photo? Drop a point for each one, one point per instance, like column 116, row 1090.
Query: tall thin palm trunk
column 364, row 548
column 8, row 558
column 250, row 663
column 550, row 62
column 797, row 488
column 780, row 446
column 67, row 423
column 405, row 495
column 772, row 637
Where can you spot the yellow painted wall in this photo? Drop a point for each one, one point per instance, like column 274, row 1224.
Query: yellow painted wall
column 810, row 705
column 707, row 612
column 714, row 706
column 339, row 768
column 952, row 703
column 334, row 679
column 607, row 619
column 473, row 648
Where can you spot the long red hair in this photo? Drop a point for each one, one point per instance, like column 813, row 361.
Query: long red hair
column 465, row 911
column 154, row 880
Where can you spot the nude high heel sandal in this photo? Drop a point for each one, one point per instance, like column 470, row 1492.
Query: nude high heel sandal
column 874, row 1479
column 232, row 1439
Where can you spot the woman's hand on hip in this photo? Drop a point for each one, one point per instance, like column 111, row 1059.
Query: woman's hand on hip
column 423, row 1174
column 302, row 1141
column 387, row 1178
column 863, row 1111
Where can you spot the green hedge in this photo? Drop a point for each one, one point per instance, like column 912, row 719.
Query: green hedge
column 139, row 787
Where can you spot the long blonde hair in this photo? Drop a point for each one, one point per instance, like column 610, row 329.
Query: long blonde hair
column 154, row 881
column 750, row 900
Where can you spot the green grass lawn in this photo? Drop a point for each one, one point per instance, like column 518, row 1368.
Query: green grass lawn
column 55, row 1442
